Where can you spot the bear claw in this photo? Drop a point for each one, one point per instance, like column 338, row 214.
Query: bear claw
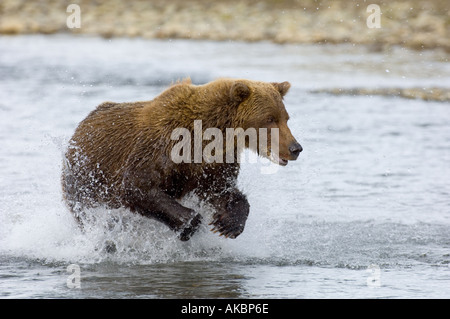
column 226, row 231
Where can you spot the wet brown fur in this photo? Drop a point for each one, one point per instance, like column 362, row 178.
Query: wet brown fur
column 119, row 155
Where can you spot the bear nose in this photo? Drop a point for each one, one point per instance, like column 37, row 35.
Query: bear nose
column 295, row 149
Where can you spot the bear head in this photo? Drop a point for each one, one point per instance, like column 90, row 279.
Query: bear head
column 260, row 106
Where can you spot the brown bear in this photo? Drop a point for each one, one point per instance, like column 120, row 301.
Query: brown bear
column 121, row 153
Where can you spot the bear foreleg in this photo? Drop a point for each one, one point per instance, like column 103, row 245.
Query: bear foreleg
column 164, row 208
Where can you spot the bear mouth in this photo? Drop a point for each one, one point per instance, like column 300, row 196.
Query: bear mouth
column 278, row 160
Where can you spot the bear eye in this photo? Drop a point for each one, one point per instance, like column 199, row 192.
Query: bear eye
column 270, row 120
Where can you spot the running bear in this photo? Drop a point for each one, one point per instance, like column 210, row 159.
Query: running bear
column 121, row 154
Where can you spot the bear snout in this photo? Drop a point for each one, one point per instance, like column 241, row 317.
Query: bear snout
column 294, row 150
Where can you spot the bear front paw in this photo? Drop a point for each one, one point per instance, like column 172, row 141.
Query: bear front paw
column 230, row 220
column 228, row 227
column 191, row 228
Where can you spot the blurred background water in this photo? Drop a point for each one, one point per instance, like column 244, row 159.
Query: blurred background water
column 369, row 196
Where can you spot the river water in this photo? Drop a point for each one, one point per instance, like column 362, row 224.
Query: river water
column 363, row 213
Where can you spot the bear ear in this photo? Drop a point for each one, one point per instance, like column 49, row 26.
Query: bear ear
column 239, row 92
column 283, row 87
